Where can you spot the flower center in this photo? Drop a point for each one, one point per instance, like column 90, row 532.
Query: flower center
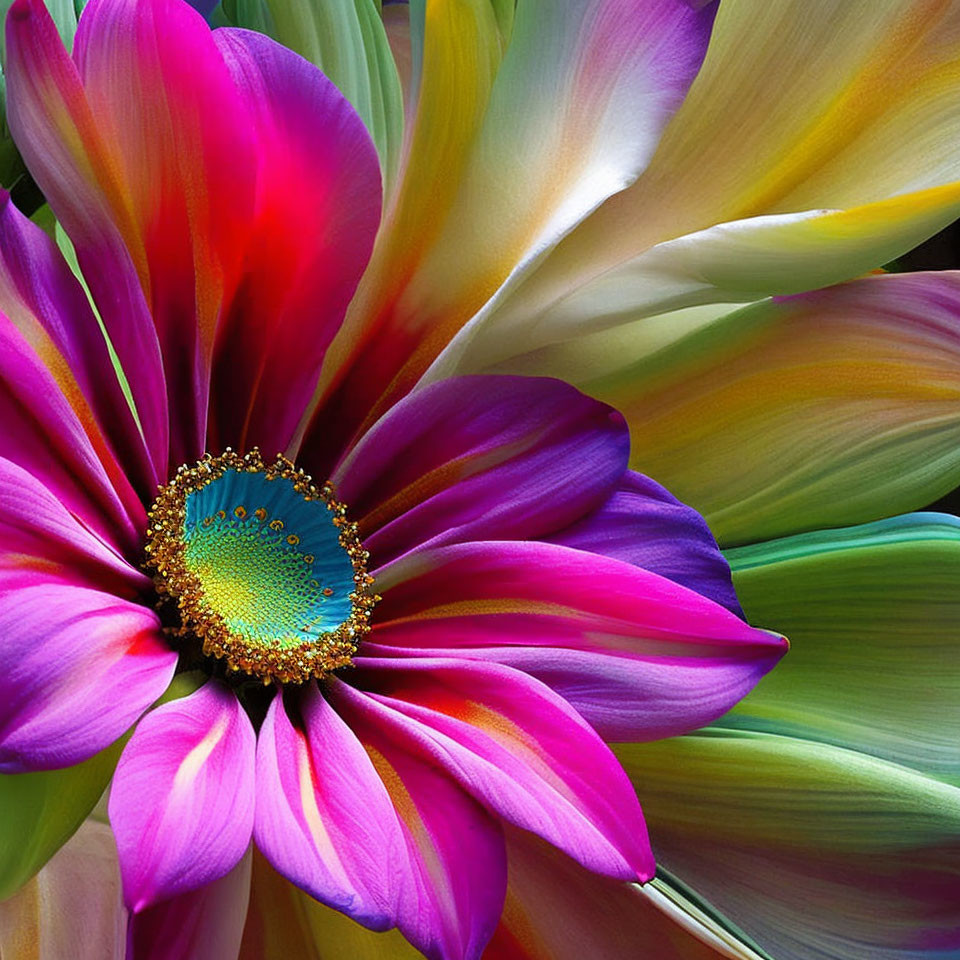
column 265, row 567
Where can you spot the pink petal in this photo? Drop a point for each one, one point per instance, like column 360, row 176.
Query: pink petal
column 317, row 210
column 638, row 656
column 200, row 925
column 454, row 897
column 514, row 745
column 372, row 831
column 79, row 667
column 182, row 804
column 231, row 192
column 324, row 819
column 482, row 458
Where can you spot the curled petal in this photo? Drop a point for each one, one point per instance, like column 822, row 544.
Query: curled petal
column 375, row 832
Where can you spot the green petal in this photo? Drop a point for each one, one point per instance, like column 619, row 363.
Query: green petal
column 347, row 40
column 815, row 851
column 41, row 811
column 872, row 615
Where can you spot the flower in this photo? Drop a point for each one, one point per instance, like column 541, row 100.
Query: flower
column 589, row 191
column 383, row 672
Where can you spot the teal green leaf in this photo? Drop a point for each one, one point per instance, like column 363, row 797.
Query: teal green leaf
column 40, row 811
column 873, row 616
column 347, row 40
column 814, row 851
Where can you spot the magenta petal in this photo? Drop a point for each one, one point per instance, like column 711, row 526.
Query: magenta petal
column 371, row 830
column 316, row 214
column 79, row 667
column 182, row 800
column 455, row 894
column 41, row 540
column 66, row 151
column 51, row 433
column 39, row 292
column 476, row 458
column 200, row 925
column 644, row 524
column 640, row 657
column 515, row 746
column 324, row 819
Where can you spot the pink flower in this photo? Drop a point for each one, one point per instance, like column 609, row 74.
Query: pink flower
column 483, row 590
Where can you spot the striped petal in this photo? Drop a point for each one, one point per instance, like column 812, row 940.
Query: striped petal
column 72, row 908
column 42, row 810
column 81, row 666
column 813, row 850
column 480, row 458
column 828, row 131
column 182, row 800
column 50, row 431
column 831, row 408
column 483, row 195
column 515, row 746
column 41, row 297
column 639, row 656
column 872, row 613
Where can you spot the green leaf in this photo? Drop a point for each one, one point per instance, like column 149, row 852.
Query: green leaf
column 40, row 811
column 872, row 613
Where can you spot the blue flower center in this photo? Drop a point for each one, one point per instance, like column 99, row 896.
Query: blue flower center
column 265, row 567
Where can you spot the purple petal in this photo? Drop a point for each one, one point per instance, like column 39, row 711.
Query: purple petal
column 477, row 458
column 644, row 524
column 79, row 667
column 515, row 746
column 640, row 657
column 199, row 925
column 182, row 799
